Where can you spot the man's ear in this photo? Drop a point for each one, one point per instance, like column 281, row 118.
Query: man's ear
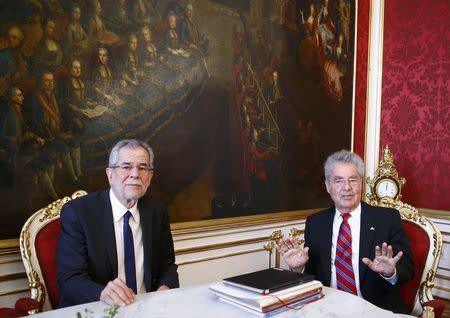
column 108, row 173
column 327, row 186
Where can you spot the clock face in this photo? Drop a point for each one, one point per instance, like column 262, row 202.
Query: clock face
column 387, row 188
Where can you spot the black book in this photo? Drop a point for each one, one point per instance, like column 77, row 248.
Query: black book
column 268, row 280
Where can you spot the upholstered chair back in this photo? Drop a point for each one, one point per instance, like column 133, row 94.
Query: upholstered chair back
column 420, row 246
column 38, row 240
column 425, row 240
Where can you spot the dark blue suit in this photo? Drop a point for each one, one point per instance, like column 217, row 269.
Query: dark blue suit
column 378, row 225
column 86, row 253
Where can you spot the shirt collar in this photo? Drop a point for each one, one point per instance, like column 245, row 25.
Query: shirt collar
column 119, row 209
column 356, row 213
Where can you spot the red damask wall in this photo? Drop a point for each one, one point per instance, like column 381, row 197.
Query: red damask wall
column 415, row 107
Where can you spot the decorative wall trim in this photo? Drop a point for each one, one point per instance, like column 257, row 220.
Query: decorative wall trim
column 9, row 243
column 442, row 288
column 435, row 214
column 13, row 292
column 355, row 55
column 444, row 277
column 9, row 261
column 191, row 237
column 216, row 246
column 13, row 276
column 8, row 247
column 375, row 65
column 235, row 222
column 205, row 259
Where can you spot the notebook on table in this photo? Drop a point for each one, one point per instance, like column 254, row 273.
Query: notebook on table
column 268, row 280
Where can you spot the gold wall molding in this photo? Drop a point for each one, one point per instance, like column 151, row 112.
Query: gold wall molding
column 9, row 243
column 10, row 261
column 435, row 214
column 13, row 276
column 8, row 247
column 205, row 259
column 217, row 246
column 235, row 222
column 13, row 292
column 442, row 288
column 444, row 277
column 202, row 236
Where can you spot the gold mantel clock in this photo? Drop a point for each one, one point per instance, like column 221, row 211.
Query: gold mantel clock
column 385, row 183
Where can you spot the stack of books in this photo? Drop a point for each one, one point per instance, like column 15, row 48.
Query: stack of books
column 268, row 292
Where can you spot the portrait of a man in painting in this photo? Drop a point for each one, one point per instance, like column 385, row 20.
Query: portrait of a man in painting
column 241, row 100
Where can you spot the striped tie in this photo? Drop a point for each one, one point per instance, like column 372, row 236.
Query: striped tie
column 345, row 278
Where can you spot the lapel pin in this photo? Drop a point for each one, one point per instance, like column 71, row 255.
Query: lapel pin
column 372, row 228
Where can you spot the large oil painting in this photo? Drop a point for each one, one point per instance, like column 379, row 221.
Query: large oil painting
column 241, row 100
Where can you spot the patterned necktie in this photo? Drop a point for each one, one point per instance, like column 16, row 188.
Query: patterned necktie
column 130, row 267
column 345, row 278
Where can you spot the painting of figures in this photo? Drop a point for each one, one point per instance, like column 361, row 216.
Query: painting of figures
column 241, row 101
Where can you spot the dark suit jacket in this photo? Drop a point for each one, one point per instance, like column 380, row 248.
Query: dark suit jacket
column 378, row 225
column 86, row 252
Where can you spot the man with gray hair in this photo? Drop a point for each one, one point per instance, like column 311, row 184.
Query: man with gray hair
column 353, row 246
column 116, row 243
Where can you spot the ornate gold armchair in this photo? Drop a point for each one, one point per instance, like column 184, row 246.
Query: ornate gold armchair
column 38, row 240
column 424, row 237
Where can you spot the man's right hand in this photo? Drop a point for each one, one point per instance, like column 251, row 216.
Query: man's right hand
column 117, row 293
column 293, row 254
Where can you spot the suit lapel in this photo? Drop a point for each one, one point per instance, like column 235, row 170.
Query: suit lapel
column 367, row 235
column 327, row 237
column 107, row 226
column 146, row 217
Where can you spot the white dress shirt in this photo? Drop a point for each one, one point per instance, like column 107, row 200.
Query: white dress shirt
column 354, row 222
column 119, row 210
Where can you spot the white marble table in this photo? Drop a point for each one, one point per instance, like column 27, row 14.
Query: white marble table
column 200, row 302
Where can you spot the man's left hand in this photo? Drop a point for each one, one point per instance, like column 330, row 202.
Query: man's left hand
column 163, row 287
column 384, row 262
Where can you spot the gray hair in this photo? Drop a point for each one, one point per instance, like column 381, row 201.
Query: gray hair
column 346, row 157
column 130, row 144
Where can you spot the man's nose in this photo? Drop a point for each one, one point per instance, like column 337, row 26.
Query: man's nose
column 134, row 172
column 347, row 184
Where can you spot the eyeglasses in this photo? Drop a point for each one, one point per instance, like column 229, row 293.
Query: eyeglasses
column 339, row 182
column 126, row 168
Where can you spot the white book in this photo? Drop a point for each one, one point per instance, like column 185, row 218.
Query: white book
column 294, row 306
column 261, row 302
